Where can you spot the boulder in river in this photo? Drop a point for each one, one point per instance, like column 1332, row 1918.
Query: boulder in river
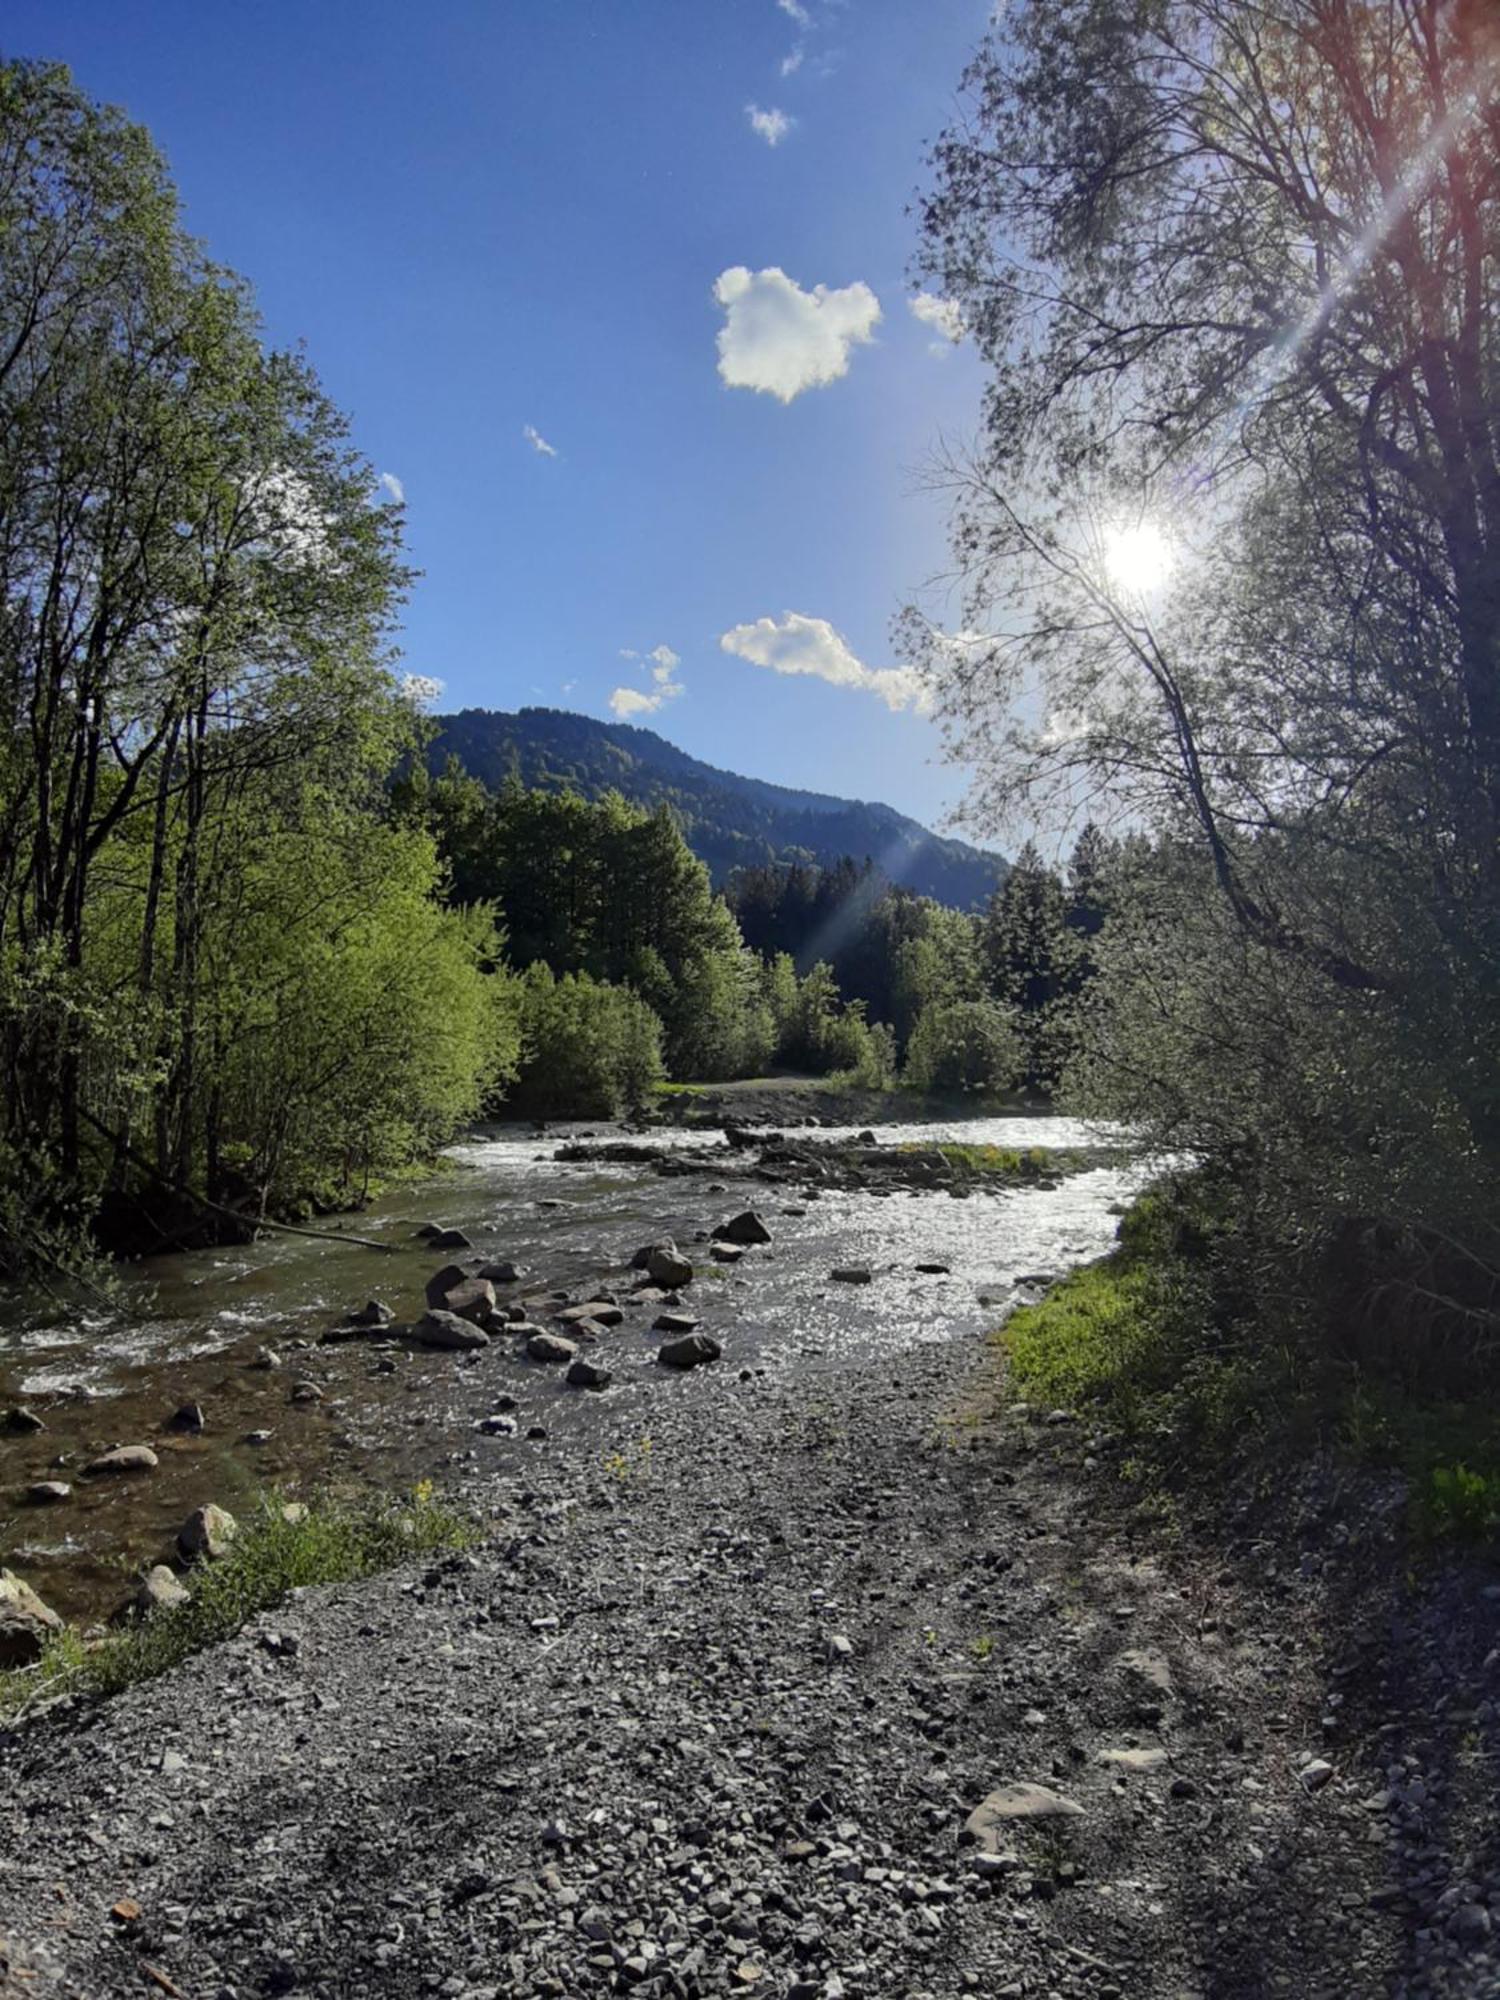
column 188, row 1417
column 207, row 1532
column 48, row 1493
column 21, row 1422
column 670, row 1322
column 123, row 1459
column 472, row 1299
column 666, row 1266
column 550, row 1347
column 599, row 1311
column 447, row 1331
column 689, row 1350
column 441, row 1283
column 450, row 1239
column 745, row 1228
column 26, row 1623
column 852, row 1274
column 585, row 1374
column 725, row 1253
column 374, row 1312
column 501, row 1272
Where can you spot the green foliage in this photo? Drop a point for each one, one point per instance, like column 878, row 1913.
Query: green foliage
column 282, row 1549
column 964, row 1045
column 222, row 973
column 589, row 1050
column 1462, row 1503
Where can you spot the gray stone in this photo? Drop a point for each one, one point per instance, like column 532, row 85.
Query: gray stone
column 125, row 1458
column 1133, row 1759
column 21, row 1422
column 161, row 1589
column 544, row 1346
column 441, row 1283
column 48, row 1492
column 450, row 1239
column 26, row 1623
column 666, row 1266
column 188, row 1418
column 990, row 1820
column 725, row 1253
column 690, row 1350
column 497, row 1425
column 600, row 1312
column 447, row 1331
column 501, row 1272
column 851, row 1274
column 305, row 1392
column 1315, row 1774
column 744, row 1228
column 472, row 1299
column 374, row 1312
column 673, row 1322
column 586, row 1374
column 207, row 1532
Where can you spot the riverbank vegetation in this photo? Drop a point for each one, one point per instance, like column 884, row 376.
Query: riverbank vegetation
column 1237, row 513
column 286, row 1547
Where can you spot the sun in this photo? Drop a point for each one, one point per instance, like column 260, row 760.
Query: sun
column 1139, row 559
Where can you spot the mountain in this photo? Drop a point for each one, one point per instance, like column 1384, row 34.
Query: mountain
column 729, row 821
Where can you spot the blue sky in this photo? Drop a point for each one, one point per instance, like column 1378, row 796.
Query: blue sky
column 481, row 218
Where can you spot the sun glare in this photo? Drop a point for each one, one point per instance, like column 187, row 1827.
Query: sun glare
column 1138, row 558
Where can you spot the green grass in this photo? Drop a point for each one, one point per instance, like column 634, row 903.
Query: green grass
column 331, row 1542
column 1002, row 1162
column 682, row 1089
column 1138, row 1339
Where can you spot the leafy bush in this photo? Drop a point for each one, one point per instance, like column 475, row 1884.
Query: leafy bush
column 589, row 1050
column 964, row 1045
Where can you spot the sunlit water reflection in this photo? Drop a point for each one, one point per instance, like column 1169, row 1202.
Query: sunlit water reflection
column 187, row 1326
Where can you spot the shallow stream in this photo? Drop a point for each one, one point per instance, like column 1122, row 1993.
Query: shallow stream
column 187, row 1328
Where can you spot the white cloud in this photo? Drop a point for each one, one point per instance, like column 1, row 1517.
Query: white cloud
column 662, row 663
column 792, row 63
column 942, row 315
column 772, row 126
column 796, row 12
column 794, row 644
column 393, row 486
column 537, row 442
column 421, row 690
column 782, row 340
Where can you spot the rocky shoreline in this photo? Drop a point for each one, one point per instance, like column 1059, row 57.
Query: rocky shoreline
column 854, row 1684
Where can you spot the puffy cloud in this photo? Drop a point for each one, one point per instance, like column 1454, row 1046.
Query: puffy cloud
column 782, row 340
column 392, row 485
column 792, row 63
column 942, row 315
column 795, row 11
column 662, row 663
column 421, row 690
column 794, row 644
column 537, row 442
column 772, row 126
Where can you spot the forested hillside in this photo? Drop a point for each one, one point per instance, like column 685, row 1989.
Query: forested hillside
column 729, row 821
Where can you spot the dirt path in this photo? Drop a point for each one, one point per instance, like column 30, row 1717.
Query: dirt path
column 710, row 1717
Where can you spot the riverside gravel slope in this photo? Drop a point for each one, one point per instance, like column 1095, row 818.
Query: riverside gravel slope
column 710, row 1717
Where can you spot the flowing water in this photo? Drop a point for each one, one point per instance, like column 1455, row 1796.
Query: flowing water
column 188, row 1327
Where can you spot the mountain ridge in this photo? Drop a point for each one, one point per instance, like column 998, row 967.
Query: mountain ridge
column 729, row 820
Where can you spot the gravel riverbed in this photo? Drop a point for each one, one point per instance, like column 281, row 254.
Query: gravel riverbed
column 713, row 1716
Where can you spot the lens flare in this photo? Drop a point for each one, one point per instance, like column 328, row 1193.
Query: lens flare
column 1138, row 558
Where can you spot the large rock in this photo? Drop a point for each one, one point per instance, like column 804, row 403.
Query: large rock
column 725, row 1253
column 501, row 1272
column 441, row 1283
column 689, row 1350
column 125, row 1458
column 161, row 1589
column 550, row 1347
column 207, row 1532
column 450, row 1239
column 373, row 1313
column 48, row 1493
column 447, row 1331
column 992, row 1819
column 26, row 1623
column 473, row 1299
column 21, row 1422
column 585, row 1374
column 188, row 1417
column 670, row 1322
column 746, row 1228
column 851, row 1274
column 599, row 1311
column 666, row 1266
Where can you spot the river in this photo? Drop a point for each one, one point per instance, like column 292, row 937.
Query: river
column 187, row 1328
